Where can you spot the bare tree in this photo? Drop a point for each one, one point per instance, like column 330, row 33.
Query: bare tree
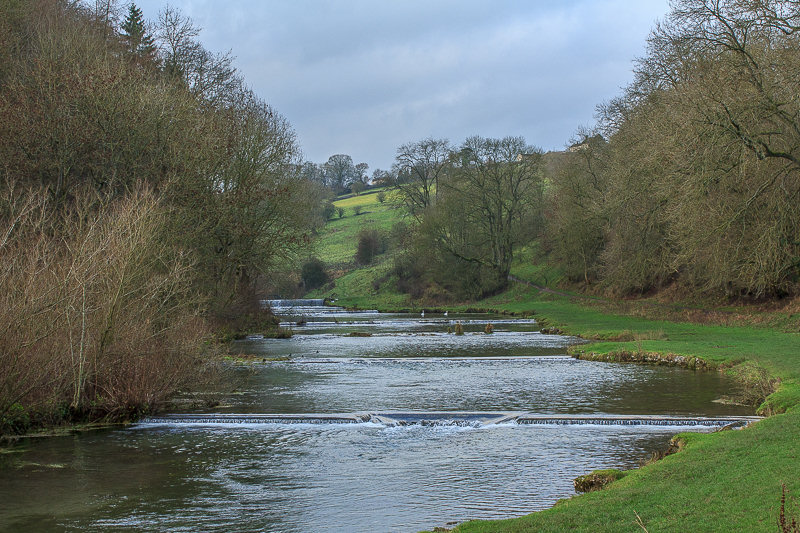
column 423, row 163
column 210, row 77
column 491, row 202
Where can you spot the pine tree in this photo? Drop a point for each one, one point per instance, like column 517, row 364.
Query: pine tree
column 135, row 34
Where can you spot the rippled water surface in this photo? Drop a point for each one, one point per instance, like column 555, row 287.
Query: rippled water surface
column 433, row 434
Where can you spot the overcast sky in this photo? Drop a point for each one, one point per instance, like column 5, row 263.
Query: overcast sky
column 363, row 77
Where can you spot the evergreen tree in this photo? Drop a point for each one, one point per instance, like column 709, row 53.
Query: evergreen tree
column 135, row 34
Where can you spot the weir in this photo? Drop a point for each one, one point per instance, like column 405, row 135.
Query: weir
column 309, row 307
column 447, row 418
column 297, row 302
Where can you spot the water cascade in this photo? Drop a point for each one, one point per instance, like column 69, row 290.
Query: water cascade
column 463, row 419
column 309, row 307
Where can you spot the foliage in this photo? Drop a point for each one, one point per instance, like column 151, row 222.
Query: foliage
column 98, row 313
column 137, row 39
column 314, row 274
column 576, row 207
column 328, row 210
column 147, row 189
column 487, row 204
column 370, row 244
column 339, row 172
column 755, row 383
column 694, row 181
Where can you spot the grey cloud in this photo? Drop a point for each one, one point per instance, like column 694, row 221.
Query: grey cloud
column 363, row 77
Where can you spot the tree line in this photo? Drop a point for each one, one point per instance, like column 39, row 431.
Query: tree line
column 472, row 206
column 146, row 195
column 690, row 178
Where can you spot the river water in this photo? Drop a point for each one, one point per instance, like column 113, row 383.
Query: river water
column 408, row 428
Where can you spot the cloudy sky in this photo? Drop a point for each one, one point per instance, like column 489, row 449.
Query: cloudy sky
column 362, row 77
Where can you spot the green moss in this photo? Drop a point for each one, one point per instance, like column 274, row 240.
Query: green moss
column 597, row 480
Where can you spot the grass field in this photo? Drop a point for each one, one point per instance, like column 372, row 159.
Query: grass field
column 336, row 244
column 727, row 481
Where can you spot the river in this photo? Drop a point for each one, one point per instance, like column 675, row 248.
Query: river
column 400, row 427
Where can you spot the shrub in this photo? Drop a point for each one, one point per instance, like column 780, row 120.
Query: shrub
column 754, row 383
column 357, row 210
column 370, row 244
column 313, row 274
column 409, row 275
column 381, row 197
column 328, row 210
column 98, row 313
column 400, row 235
column 340, row 211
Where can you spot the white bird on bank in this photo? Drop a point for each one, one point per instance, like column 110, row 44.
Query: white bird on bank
column 423, row 313
column 445, row 313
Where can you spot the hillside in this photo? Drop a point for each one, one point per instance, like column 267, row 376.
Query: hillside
column 336, row 247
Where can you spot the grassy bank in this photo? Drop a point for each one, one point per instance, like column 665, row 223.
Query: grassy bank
column 719, row 482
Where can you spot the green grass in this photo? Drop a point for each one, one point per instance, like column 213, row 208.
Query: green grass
column 336, row 244
column 355, row 289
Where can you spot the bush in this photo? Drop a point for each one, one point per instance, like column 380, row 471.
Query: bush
column 98, row 314
column 328, row 210
column 409, row 273
column 400, row 235
column 370, row 244
column 340, row 211
column 356, row 210
column 381, row 197
column 314, row 274
column 15, row 421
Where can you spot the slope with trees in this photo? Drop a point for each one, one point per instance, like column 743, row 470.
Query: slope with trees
column 146, row 196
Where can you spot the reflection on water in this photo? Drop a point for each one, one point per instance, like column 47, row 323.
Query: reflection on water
column 307, row 477
column 403, row 466
column 548, row 384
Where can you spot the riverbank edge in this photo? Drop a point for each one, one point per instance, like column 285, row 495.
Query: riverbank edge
column 783, row 399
